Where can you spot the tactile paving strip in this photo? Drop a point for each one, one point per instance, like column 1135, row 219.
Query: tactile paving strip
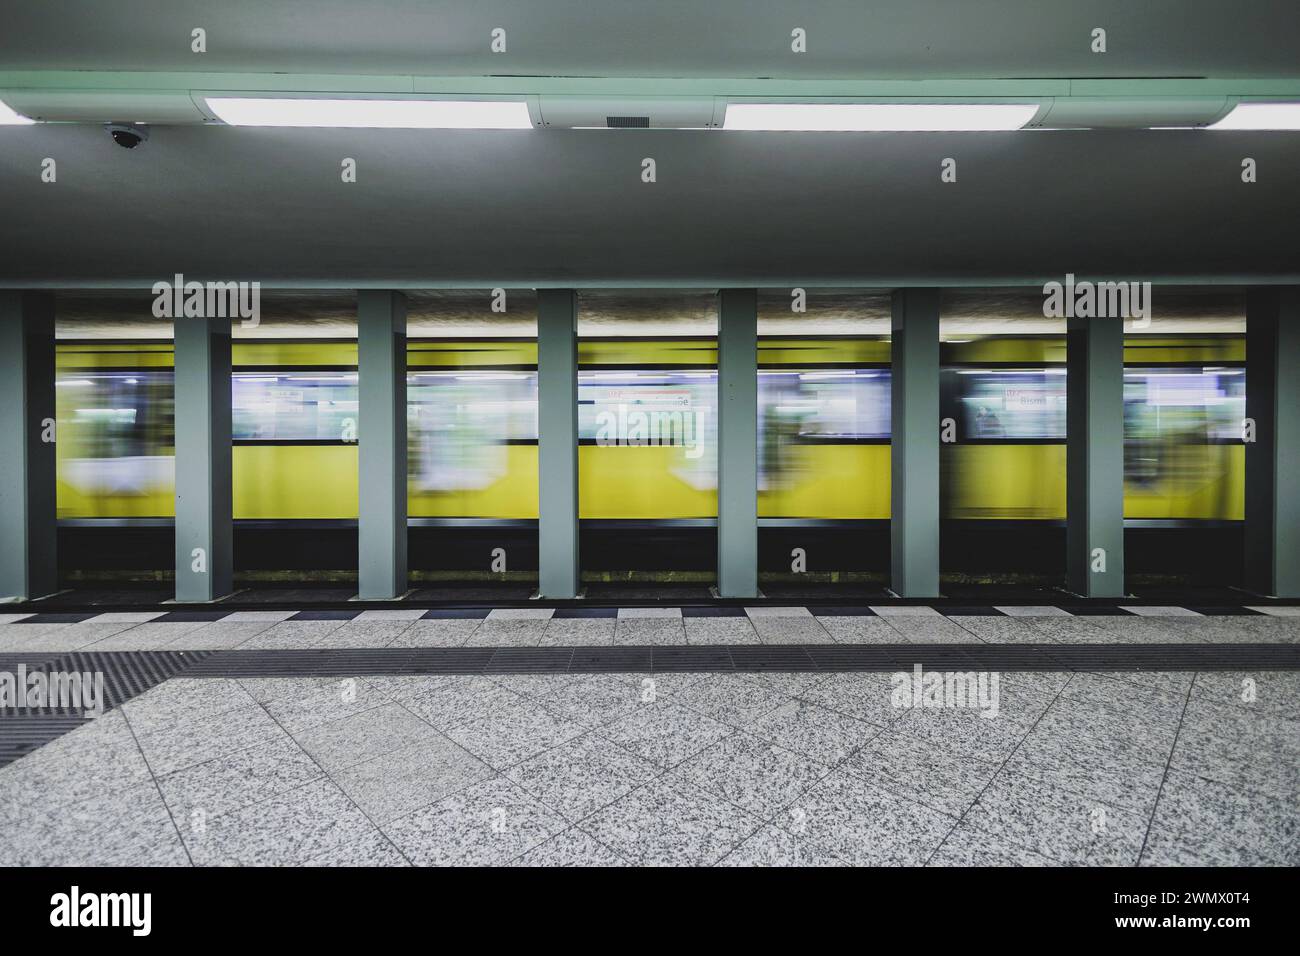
column 125, row 675
column 746, row 657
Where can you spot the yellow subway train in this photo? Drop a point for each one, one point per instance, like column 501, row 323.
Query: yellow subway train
column 648, row 428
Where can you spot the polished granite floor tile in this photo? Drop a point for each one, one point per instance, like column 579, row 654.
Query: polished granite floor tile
column 1057, row 823
column 182, row 701
column 582, row 775
column 1269, row 692
column 967, row 846
column 401, row 781
column 233, row 781
column 864, row 824
column 488, row 823
column 23, row 637
column 649, row 630
column 1107, row 775
column 730, row 698
column 219, row 635
column 438, row 632
column 289, row 635
column 338, row 744
column 720, row 630
column 289, row 828
column 509, row 632
column 572, row 847
column 123, row 828
column 823, row 735
column 922, row 771
column 866, row 697
column 754, row 774
column 447, row 702
column 665, row 733
column 321, row 703
column 858, row 629
column 926, row 629
column 999, row 630
column 1200, row 822
column 372, row 849
column 671, row 823
column 772, row 846
column 512, row 734
column 578, row 632
column 775, row 629
column 194, row 741
column 781, row 768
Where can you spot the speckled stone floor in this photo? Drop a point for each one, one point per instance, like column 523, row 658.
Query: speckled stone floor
column 671, row 769
column 539, row 627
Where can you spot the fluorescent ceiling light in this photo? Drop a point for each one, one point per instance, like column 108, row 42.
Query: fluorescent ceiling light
column 9, row 118
column 376, row 114
column 878, row 117
column 1261, row 116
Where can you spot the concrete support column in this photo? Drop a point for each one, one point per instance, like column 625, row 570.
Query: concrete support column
column 204, row 538
column 28, row 567
column 914, row 444
column 381, row 465
column 738, row 443
column 1094, row 435
column 1273, row 458
column 557, row 443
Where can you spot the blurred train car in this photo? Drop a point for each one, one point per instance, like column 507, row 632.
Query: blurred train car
column 648, row 442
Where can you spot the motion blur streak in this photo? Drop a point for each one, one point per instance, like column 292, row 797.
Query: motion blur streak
column 824, row 430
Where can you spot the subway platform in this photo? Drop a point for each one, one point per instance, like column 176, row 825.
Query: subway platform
column 651, row 734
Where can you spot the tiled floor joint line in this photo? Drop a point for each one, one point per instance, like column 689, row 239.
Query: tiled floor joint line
column 984, row 789
column 1155, row 807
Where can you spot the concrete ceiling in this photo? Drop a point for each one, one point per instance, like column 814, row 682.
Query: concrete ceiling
column 907, row 39
column 550, row 207
column 558, row 207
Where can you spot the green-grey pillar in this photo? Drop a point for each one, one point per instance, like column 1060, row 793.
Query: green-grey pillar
column 28, row 567
column 204, row 549
column 557, row 443
column 1273, row 457
column 738, row 443
column 1094, row 457
column 381, row 479
column 914, row 444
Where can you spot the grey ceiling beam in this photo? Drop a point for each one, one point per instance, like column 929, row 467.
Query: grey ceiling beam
column 476, row 208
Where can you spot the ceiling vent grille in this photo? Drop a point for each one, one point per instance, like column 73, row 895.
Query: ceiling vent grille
column 627, row 122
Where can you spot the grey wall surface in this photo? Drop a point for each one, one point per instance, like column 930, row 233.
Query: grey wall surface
column 28, row 560
column 1273, row 458
column 382, row 451
column 564, row 207
column 557, row 443
column 678, row 38
column 914, row 444
column 737, row 443
column 204, row 492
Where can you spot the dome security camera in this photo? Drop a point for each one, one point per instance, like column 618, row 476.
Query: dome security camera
column 127, row 135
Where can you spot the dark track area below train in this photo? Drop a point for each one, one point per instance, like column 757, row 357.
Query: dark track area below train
column 650, row 562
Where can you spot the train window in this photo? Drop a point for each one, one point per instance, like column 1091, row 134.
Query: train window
column 461, row 425
column 1204, row 405
column 1002, row 404
column 116, row 442
column 293, row 406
